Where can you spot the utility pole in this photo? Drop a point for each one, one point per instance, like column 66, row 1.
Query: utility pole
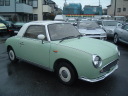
column 115, row 8
column 99, row 2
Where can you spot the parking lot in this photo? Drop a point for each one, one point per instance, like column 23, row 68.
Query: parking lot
column 24, row 79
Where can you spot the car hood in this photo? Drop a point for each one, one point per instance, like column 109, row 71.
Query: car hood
column 94, row 31
column 109, row 27
column 91, row 46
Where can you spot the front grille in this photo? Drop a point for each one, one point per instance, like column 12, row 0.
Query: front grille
column 109, row 66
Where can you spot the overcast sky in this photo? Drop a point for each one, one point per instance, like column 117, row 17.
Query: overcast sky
column 104, row 3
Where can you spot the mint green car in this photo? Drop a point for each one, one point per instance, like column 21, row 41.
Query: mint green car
column 59, row 47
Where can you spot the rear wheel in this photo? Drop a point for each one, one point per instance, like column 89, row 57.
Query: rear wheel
column 66, row 73
column 11, row 55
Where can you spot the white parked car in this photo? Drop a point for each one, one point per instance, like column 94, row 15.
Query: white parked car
column 91, row 29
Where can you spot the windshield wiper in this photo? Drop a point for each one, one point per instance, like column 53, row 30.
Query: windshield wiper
column 69, row 37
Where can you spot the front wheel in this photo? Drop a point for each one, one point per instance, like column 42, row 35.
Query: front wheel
column 11, row 55
column 115, row 38
column 66, row 73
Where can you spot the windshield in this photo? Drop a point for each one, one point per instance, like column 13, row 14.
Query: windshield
column 88, row 24
column 59, row 31
column 110, row 23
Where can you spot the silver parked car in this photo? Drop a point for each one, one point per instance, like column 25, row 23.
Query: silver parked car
column 108, row 26
column 91, row 29
column 121, row 34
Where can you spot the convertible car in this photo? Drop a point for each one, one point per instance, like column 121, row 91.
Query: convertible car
column 59, row 47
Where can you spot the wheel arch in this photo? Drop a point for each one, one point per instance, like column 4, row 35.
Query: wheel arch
column 8, row 47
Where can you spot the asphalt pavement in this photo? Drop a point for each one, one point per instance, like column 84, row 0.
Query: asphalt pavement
column 24, row 79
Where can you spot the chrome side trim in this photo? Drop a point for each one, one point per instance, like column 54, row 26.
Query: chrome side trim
column 99, row 78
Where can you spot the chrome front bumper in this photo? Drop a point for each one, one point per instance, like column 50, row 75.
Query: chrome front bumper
column 99, row 78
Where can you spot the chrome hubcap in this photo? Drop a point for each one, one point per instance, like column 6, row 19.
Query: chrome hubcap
column 65, row 74
column 11, row 55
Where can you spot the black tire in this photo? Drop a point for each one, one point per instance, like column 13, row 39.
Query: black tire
column 116, row 39
column 66, row 73
column 12, row 55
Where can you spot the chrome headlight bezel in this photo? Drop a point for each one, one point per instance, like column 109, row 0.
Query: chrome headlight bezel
column 97, row 61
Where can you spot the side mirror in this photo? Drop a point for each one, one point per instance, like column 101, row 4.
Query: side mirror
column 101, row 26
column 41, row 37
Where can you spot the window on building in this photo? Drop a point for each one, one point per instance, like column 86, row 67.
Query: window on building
column 31, row 17
column 1, row 2
column 7, row 2
column 35, row 16
column 30, row 2
column 124, row 9
column 118, row 9
column 35, row 3
column 17, row 1
column 24, row 1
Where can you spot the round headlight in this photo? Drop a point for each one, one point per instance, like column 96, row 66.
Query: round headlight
column 97, row 61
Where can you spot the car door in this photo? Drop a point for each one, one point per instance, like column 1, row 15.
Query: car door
column 32, row 49
column 125, row 33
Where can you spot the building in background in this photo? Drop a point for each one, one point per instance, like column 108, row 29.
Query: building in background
column 25, row 10
column 54, row 10
column 118, row 8
column 16, row 9
column 72, row 9
column 92, row 10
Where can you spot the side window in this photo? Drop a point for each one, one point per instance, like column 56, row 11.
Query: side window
column 34, row 30
column 125, row 27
